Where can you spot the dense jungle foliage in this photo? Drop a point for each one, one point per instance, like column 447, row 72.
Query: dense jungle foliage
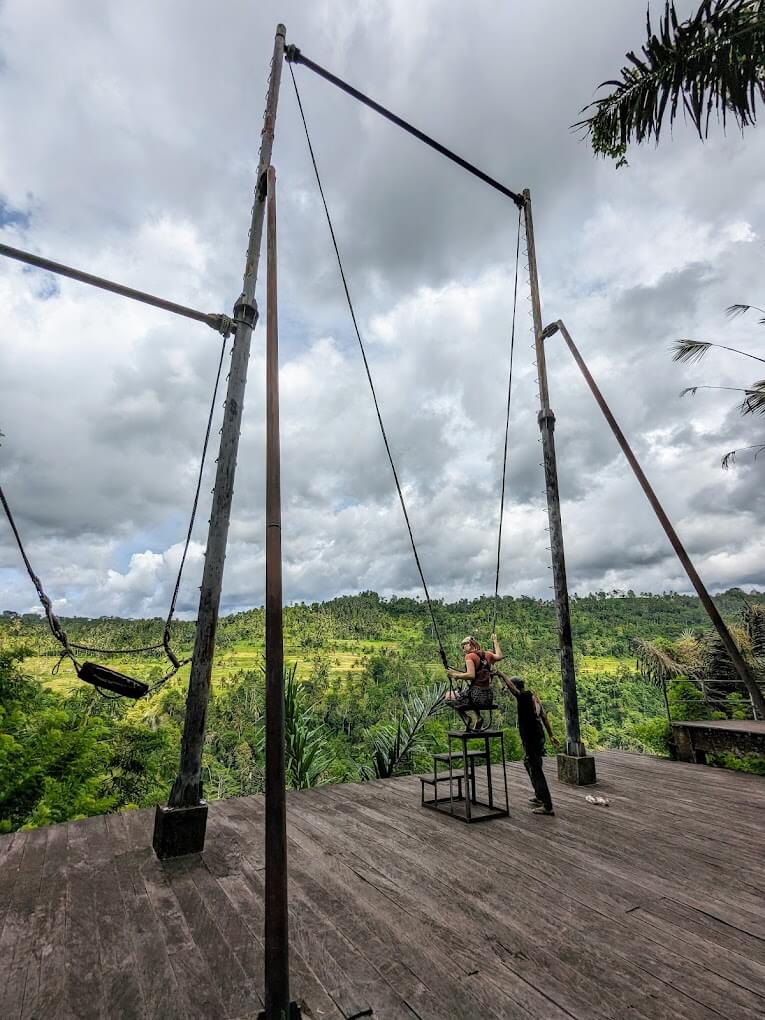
column 363, row 693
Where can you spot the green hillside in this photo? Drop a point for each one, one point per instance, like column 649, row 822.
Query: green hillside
column 66, row 752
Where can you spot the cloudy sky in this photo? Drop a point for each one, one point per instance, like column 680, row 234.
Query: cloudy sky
column 128, row 143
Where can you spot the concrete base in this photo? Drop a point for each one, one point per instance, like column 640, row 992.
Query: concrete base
column 576, row 771
column 179, row 831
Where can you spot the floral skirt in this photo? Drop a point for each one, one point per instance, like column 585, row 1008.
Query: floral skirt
column 473, row 697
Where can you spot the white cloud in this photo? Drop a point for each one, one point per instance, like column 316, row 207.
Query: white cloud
column 133, row 156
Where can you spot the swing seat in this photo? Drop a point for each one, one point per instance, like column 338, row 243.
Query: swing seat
column 111, row 680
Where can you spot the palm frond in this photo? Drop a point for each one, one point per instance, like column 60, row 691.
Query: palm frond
column 731, row 389
column 754, row 402
column 394, row 741
column 308, row 758
column 712, row 63
column 754, row 621
column 730, row 456
column 657, row 664
column 735, row 310
column 689, row 352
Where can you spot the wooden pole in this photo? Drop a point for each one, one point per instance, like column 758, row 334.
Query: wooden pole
column 574, row 745
column 171, row 835
column 277, row 996
column 739, row 663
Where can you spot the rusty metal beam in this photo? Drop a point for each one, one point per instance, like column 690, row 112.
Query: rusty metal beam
column 739, row 663
column 220, row 323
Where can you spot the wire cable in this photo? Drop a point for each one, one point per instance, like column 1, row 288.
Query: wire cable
column 349, row 301
column 507, row 425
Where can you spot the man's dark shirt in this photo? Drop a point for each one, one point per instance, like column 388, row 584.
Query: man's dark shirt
column 529, row 723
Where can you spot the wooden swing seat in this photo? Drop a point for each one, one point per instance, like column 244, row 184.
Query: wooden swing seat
column 111, row 680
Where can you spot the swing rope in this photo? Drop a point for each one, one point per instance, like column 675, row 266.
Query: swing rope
column 54, row 623
column 377, row 407
column 436, row 631
column 507, row 426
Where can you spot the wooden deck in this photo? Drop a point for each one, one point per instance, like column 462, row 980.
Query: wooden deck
column 653, row 907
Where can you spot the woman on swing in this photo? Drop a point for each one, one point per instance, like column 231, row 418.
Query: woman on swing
column 478, row 694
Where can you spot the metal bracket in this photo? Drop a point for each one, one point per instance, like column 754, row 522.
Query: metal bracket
column 245, row 314
column 546, row 415
column 292, row 54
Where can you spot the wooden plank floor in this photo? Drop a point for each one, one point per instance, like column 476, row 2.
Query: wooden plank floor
column 648, row 909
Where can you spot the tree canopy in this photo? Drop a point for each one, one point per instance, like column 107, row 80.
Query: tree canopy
column 711, row 66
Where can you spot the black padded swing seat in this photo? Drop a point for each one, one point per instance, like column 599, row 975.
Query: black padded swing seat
column 111, row 680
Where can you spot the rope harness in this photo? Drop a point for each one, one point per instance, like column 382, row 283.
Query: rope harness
column 101, row 677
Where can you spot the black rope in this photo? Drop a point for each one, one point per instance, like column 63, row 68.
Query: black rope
column 53, row 622
column 441, row 649
column 165, row 642
column 507, row 425
column 166, row 635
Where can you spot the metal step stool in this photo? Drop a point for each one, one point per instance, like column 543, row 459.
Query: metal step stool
column 464, row 805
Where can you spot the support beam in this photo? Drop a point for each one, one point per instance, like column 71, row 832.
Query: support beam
column 171, row 830
column 575, row 766
column 739, row 663
column 220, row 323
column 295, row 56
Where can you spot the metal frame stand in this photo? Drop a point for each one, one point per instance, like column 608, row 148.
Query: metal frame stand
column 467, row 797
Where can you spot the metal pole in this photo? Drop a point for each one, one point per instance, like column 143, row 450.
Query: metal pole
column 574, row 745
column 170, row 833
column 220, row 323
column 737, row 659
column 294, row 56
column 276, row 923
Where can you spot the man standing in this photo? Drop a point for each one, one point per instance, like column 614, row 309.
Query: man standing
column 531, row 718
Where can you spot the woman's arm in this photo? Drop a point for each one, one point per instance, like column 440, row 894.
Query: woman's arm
column 469, row 673
column 498, row 656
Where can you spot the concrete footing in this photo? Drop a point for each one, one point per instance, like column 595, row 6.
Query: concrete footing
column 576, row 771
column 179, row 831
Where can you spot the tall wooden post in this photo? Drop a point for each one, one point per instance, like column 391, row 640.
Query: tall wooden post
column 277, row 998
column 180, row 827
column 575, row 766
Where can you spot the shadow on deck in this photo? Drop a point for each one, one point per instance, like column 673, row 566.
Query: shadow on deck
column 650, row 908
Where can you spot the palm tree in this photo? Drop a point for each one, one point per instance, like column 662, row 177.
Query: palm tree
column 309, row 759
column 704, row 661
column 691, row 352
column 713, row 63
